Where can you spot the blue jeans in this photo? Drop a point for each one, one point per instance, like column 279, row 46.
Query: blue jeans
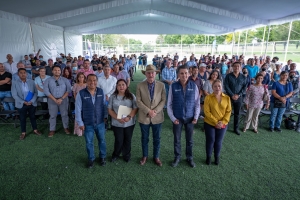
column 89, row 140
column 167, row 91
column 6, row 106
column 156, row 129
column 276, row 116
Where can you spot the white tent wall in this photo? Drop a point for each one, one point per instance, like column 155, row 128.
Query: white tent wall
column 73, row 43
column 50, row 41
column 15, row 39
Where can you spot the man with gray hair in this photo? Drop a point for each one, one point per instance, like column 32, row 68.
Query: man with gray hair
column 108, row 84
column 293, row 67
column 10, row 66
column 15, row 76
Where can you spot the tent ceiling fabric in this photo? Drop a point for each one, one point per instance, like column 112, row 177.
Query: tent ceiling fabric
column 211, row 17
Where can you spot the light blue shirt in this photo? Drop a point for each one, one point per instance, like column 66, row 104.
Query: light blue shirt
column 191, row 63
column 40, row 82
column 25, row 89
column 111, row 63
column 252, row 70
column 127, row 64
column 168, row 74
column 78, row 108
column 99, row 74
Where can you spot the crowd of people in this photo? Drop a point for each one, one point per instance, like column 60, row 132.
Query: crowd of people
column 98, row 91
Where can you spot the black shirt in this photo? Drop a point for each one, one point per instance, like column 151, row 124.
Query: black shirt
column 235, row 85
column 49, row 71
column 5, row 87
column 95, row 62
column 32, row 61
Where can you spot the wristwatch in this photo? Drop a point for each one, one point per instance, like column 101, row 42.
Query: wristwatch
column 129, row 116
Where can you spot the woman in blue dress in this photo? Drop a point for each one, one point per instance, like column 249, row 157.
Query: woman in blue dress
column 275, row 76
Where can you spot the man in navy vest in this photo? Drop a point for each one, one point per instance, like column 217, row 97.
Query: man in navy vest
column 183, row 109
column 91, row 115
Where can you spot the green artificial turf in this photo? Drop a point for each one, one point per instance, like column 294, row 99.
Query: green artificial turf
column 252, row 166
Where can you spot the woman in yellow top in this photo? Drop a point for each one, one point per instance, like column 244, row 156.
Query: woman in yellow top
column 217, row 111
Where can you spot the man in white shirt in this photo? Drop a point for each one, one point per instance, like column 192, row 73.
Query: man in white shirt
column 27, row 64
column 10, row 66
column 108, row 84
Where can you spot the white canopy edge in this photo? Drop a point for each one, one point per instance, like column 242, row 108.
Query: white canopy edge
column 285, row 19
column 50, row 26
column 109, row 20
column 146, row 12
column 192, row 31
column 189, row 20
column 85, row 10
column 11, row 16
column 217, row 11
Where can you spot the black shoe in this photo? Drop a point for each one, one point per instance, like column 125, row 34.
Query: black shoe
column 277, row 129
column 132, row 80
column 126, row 159
column 102, row 162
column 175, row 162
column 191, row 163
column 237, row 132
column 271, row 129
column 113, row 159
column 208, row 160
column 217, row 160
column 90, row 164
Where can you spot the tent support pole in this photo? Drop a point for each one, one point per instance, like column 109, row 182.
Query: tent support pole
column 245, row 44
column 181, row 44
column 207, row 44
column 233, row 41
column 64, row 43
column 31, row 35
column 263, row 40
column 267, row 41
column 238, row 48
column 288, row 40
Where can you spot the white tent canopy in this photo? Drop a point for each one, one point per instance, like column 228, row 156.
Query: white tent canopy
column 58, row 24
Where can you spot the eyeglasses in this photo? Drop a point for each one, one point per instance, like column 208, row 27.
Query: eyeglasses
column 57, row 84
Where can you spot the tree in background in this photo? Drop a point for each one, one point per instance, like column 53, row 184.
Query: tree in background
column 277, row 33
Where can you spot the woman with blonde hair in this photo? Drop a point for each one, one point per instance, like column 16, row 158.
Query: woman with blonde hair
column 217, row 111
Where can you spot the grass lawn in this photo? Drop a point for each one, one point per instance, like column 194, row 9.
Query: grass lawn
column 252, row 166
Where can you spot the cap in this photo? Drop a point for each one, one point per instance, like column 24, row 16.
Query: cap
column 202, row 65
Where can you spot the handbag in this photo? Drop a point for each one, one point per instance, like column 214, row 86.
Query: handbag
column 265, row 95
column 278, row 103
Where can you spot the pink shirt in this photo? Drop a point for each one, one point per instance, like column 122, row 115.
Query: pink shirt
column 254, row 96
column 86, row 72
